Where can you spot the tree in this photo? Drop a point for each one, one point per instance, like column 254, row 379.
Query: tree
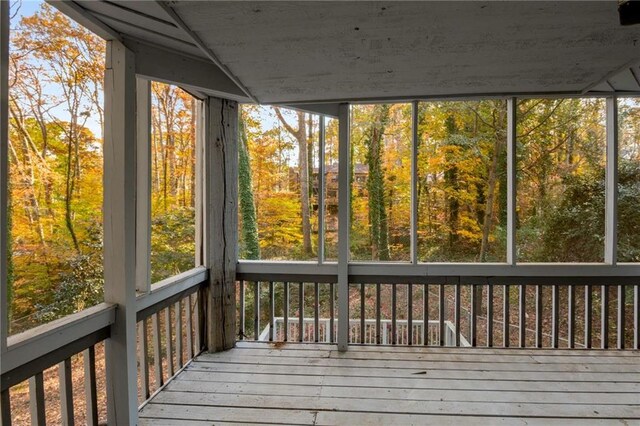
column 301, row 135
column 249, row 243
column 379, row 231
column 56, row 71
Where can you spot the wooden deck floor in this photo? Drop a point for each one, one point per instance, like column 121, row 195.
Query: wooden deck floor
column 315, row 384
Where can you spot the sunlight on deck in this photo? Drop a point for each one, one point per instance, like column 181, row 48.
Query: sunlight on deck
column 315, row 384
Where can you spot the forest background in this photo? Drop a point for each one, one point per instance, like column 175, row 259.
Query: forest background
column 56, row 117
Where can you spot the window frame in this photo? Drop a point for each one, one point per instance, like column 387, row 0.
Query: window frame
column 511, row 267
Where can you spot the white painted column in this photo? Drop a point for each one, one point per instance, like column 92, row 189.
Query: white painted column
column 201, row 307
column 4, row 175
column 120, row 231
column 321, row 188
column 344, row 191
column 143, row 187
column 414, row 181
column 512, row 107
column 221, row 221
column 611, row 191
column 201, row 112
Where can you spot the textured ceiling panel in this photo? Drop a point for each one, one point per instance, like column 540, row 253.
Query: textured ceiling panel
column 319, row 51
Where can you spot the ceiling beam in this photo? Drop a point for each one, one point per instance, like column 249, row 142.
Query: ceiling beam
column 85, row 18
column 611, row 74
column 329, row 110
column 210, row 54
column 454, row 97
column 160, row 64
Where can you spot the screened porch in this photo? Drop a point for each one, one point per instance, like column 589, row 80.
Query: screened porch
column 319, row 213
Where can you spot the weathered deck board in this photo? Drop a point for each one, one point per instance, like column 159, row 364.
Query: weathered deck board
column 314, row 384
column 483, row 365
column 431, row 371
column 407, row 393
column 412, row 382
column 434, row 356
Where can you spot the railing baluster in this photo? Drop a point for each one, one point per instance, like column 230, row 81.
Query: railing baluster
column 36, row 400
column 489, row 315
column 571, row 320
column 332, row 299
column 168, row 341
column 474, row 316
column 179, row 357
column 378, row 314
column 5, row 407
column 522, row 306
column 143, row 358
column 272, row 310
column 457, row 312
column 316, row 326
column 301, row 312
column 362, row 321
column 256, row 311
column 555, row 317
column 441, row 313
column 90, row 391
column 199, row 319
column 242, row 312
column 604, row 317
column 636, row 316
column 425, row 314
column 157, row 355
column 285, row 308
column 538, row 316
column 587, row 316
column 410, row 314
column 66, row 392
column 505, row 316
column 188, row 330
column 621, row 319
column 394, row 312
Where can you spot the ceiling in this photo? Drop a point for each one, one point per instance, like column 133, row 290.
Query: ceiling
column 315, row 52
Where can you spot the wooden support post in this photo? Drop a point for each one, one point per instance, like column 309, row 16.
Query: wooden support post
column 343, row 227
column 143, row 186
column 512, row 108
column 120, row 231
column 201, row 299
column 321, row 189
column 611, row 176
column 221, row 220
column 415, row 105
column 4, row 175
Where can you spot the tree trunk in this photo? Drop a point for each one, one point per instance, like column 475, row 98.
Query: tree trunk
column 379, row 232
column 69, row 186
column 452, row 185
column 303, row 169
column 303, row 164
column 28, row 176
column 250, row 241
column 498, row 146
column 491, row 189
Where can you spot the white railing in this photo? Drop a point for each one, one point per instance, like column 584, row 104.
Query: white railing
column 170, row 317
column 355, row 333
column 537, row 311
